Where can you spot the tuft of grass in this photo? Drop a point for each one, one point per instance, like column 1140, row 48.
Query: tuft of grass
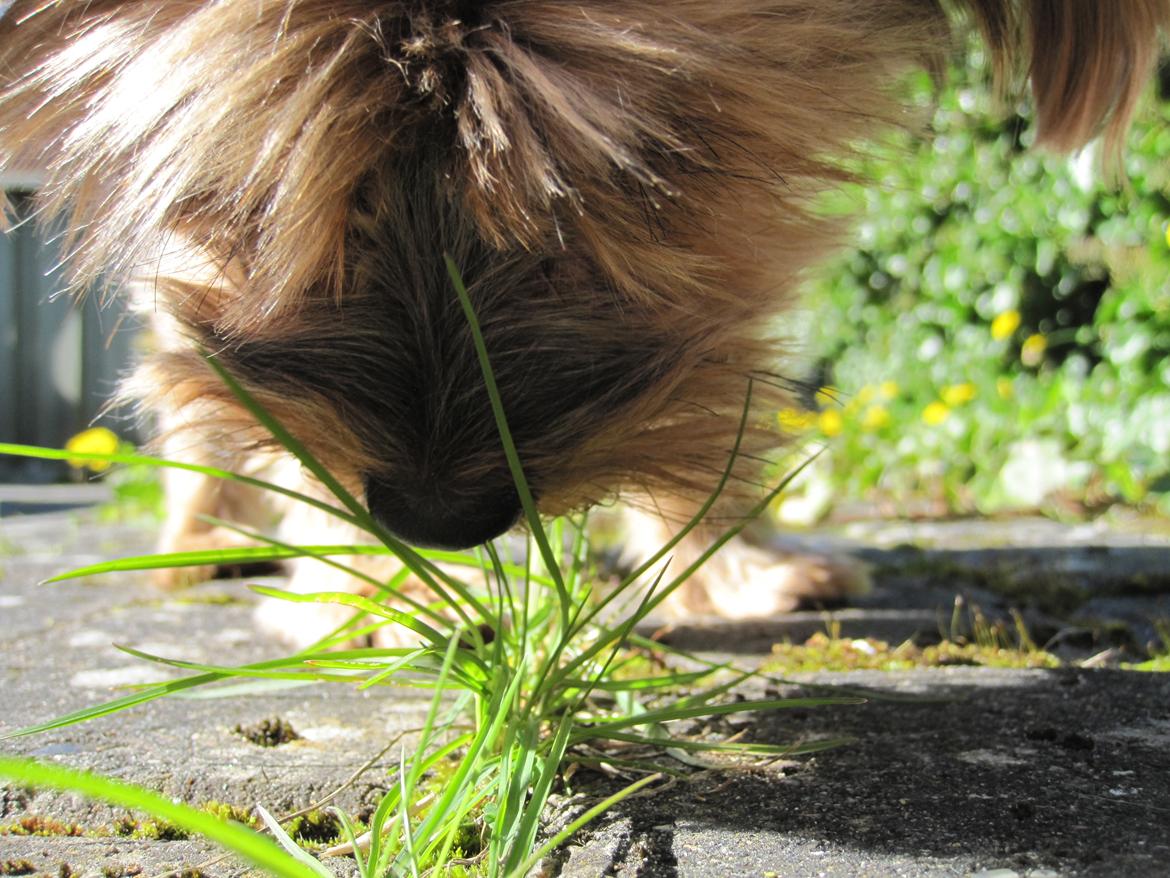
column 824, row 652
column 38, row 825
column 270, row 732
column 973, row 639
column 524, row 662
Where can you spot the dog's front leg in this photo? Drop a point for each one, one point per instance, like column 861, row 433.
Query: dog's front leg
column 194, row 499
column 745, row 579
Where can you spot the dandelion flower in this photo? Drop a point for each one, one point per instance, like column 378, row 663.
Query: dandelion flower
column 831, row 422
column 936, row 413
column 1005, row 324
column 956, row 395
column 96, row 440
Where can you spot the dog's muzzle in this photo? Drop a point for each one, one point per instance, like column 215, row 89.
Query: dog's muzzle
column 433, row 521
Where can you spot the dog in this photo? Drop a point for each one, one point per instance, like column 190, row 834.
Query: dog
column 628, row 188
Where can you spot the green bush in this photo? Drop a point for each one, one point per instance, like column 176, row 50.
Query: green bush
column 998, row 337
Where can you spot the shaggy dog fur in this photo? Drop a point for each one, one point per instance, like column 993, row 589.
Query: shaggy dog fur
column 627, row 186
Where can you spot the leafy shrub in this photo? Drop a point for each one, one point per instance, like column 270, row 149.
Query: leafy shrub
column 999, row 334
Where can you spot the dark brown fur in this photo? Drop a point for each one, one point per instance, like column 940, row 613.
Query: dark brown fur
column 627, row 186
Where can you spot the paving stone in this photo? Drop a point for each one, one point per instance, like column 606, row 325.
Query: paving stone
column 955, row 771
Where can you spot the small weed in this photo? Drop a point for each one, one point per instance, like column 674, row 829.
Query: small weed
column 35, row 824
column 224, row 811
column 17, row 867
column 269, row 732
column 824, row 653
column 991, row 645
column 315, row 828
column 166, row 830
column 160, row 830
column 206, row 599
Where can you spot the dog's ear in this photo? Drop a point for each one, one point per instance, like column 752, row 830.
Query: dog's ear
column 1089, row 60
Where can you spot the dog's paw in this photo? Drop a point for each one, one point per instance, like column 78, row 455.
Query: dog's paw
column 746, row 578
column 745, row 581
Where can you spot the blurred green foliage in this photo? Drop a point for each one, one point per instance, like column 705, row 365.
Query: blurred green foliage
column 998, row 336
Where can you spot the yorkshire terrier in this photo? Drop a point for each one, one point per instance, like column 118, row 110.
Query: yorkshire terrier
column 629, row 189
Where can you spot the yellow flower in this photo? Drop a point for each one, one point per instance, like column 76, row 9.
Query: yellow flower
column 936, row 413
column 888, row 389
column 96, row 440
column 1168, row 234
column 876, row 417
column 795, row 420
column 956, row 395
column 865, row 395
column 1005, row 324
column 831, row 422
column 1004, row 387
column 1032, row 351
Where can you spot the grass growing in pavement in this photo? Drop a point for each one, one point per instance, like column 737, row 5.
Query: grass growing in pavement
column 523, row 671
column 973, row 639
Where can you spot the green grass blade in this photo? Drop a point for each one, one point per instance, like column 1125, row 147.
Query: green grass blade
column 391, row 586
column 358, row 602
column 216, row 557
column 525, row 834
column 162, row 463
column 514, row 464
column 248, row 844
column 592, row 814
column 643, row 684
column 514, row 780
column 725, row 538
column 498, row 709
column 351, row 836
column 306, row 673
column 608, row 638
column 291, row 847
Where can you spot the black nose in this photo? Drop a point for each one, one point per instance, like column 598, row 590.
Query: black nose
column 432, row 520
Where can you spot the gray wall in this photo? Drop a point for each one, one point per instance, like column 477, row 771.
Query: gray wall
column 59, row 359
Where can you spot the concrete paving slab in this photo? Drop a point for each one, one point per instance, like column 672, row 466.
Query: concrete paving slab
column 1031, row 773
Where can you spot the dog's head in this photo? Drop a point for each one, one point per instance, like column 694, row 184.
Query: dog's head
column 627, row 188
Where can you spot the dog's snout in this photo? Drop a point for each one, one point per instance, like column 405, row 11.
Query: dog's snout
column 430, row 519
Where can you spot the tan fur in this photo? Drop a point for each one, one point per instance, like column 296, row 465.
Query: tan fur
column 628, row 187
